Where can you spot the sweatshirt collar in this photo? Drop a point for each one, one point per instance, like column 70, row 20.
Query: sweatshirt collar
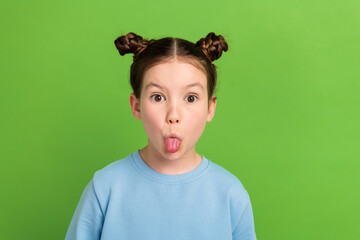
column 166, row 178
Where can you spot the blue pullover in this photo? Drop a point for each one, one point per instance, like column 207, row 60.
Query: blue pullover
column 128, row 200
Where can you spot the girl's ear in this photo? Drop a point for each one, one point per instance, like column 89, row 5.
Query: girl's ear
column 211, row 110
column 135, row 106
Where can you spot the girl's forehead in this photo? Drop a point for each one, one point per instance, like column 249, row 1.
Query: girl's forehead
column 175, row 73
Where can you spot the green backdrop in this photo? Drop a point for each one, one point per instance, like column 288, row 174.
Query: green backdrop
column 286, row 123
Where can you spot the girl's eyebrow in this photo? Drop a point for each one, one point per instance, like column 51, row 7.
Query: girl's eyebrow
column 194, row 85
column 151, row 84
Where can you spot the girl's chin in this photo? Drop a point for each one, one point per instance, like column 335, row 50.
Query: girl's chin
column 165, row 153
column 172, row 155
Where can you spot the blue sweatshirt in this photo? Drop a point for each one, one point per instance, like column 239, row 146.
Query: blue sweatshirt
column 128, row 200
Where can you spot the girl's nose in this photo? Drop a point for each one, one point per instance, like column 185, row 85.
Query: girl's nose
column 173, row 117
column 173, row 120
column 173, row 114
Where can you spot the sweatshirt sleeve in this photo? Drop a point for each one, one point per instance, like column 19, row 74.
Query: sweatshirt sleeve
column 88, row 218
column 241, row 206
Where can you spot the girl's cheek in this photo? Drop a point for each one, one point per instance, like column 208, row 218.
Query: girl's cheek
column 152, row 117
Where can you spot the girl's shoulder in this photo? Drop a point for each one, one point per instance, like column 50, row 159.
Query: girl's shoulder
column 114, row 172
column 224, row 177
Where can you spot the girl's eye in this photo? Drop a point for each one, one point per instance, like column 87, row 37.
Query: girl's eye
column 191, row 98
column 157, row 97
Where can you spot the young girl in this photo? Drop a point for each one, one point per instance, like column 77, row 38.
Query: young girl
column 166, row 190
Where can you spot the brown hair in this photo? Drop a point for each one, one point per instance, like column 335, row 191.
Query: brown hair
column 148, row 53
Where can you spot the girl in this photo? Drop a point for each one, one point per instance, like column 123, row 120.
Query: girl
column 166, row 190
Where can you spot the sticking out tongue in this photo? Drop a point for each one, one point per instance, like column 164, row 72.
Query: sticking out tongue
column 172, row 144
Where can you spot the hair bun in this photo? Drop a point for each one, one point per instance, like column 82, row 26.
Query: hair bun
column 213, row 46
column 131, row 43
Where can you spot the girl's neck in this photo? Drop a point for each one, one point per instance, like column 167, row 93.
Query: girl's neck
column 157, row 162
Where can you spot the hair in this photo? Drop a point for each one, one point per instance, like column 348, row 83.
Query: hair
column 148, row 53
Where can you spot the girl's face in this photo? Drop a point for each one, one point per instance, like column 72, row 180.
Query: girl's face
column 174, row 108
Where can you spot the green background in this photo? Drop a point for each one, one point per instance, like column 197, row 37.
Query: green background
column 286, row 123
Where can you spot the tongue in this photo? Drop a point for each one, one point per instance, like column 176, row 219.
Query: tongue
column 172, row 144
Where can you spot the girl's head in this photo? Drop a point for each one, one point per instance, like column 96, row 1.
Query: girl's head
column 148, row 53
column 173, row 82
